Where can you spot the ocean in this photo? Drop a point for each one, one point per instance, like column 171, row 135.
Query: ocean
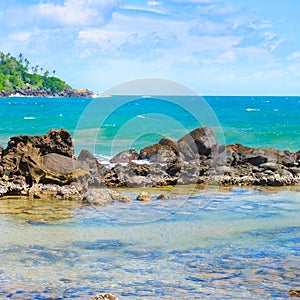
column 212, row 243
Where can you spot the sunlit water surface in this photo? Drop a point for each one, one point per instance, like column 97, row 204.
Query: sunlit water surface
column 219, row 244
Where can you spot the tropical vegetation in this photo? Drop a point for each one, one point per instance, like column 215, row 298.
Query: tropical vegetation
column 18, row 73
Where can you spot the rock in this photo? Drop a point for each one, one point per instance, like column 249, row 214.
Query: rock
column 201, row 141
column 55, row 141
column 104, row 197
column 164, row 152
column 44, row 159
column 66, row 93
column 270, row 166
column 104, row 297
column 126, row 156
column 165, row 197
column 72, row 192
column 144, row 196
column 294, row 293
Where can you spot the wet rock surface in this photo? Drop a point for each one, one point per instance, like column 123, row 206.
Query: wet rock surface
column 45, row 166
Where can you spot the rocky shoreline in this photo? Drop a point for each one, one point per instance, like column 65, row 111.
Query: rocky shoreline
column 45, row 166
column 32, row 92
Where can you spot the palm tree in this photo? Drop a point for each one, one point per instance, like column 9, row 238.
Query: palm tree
column 21, row 57
column 53, row 72
column 27, row 63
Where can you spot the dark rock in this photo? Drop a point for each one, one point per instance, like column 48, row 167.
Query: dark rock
column 125, row 157
column 165, row 152
column 66, row 93
column 55, row 141
column 201, row 141
column 136, row 175
column 42, row 159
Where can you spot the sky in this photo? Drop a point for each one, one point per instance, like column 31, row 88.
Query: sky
column 214, row 47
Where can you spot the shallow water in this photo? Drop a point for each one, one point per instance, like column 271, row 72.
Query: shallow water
column 219, row 244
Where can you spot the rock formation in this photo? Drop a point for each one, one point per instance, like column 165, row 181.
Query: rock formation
column 45, row 166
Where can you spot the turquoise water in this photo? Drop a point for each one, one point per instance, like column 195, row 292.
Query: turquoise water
column 107, row 125
column 204, row 244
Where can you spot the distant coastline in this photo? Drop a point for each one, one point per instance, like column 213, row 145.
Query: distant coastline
column 19, row 78
column 32, row 92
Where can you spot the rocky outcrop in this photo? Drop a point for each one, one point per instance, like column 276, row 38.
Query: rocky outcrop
column 45, row 166
column 41, row 159
column 197, row 158
column 66, row 93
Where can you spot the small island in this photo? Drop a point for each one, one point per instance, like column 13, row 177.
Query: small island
column 19, row 78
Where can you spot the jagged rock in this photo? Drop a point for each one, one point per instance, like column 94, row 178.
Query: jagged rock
column 126, row 156
column 201, row 141
column 104, row 297
column 42, row 159
column 44, row 166
column 165, row 152
column 55, row 141
column 144, row 196
column 137, row 175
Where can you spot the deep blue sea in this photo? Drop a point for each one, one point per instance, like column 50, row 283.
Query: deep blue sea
column 213, row 243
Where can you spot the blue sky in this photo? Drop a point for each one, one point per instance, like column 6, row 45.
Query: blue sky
column 215, row 47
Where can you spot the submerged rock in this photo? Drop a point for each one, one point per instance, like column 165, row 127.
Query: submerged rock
column 144, row 196
column 294, row 293
column 104, row 197
column 104, row 297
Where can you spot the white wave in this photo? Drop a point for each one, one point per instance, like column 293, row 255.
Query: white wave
column 141, row 162
column 275, row 109
column 109, row 125
column 29, row 118
column 252, row 109
column 141, row 116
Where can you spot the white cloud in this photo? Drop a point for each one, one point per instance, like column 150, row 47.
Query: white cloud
column 194, row 1
column 272, row 41
column 294, row 56
column 153, row 3
column 71, row 13
column 20, row 36
column 228, row 57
